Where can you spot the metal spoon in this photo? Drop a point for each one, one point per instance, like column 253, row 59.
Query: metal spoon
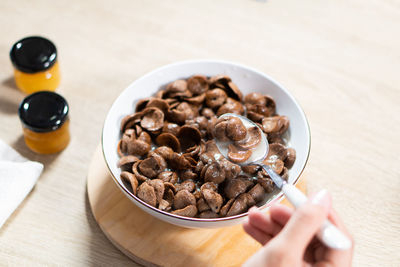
column 329, row 234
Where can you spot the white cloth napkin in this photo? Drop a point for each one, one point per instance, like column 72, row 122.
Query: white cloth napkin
column 17, row 178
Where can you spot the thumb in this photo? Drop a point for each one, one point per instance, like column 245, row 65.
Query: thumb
column 306, row 221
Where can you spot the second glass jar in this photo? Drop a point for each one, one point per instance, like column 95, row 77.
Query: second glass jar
column 35, row 64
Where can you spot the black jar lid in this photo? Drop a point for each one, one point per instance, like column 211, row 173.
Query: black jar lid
column 33, row 54
column 43, row 111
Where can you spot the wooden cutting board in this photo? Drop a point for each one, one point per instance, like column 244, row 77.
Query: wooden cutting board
column 152, row 242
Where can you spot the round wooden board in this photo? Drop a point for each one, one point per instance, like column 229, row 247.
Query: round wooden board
column 152, row 242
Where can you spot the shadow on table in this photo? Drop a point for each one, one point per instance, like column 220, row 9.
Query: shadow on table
column 20, row 146
column 101, row 248
column 10, row 83
column 10, row 96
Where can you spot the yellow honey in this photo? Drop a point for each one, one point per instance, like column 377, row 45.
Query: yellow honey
column 34, row 82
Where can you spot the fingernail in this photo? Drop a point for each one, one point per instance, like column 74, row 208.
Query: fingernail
column 253, row 209
column 322, row 198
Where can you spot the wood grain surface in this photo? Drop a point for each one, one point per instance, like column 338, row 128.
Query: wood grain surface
column 340, row 59
column 152, row 242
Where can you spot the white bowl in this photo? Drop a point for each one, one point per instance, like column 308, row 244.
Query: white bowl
column 248, row 80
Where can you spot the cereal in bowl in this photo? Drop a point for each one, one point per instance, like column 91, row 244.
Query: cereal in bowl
column 169, row 158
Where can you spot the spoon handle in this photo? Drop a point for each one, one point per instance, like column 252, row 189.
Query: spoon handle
column 328, row 234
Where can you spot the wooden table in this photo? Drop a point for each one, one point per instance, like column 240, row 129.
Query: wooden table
column 340, row 59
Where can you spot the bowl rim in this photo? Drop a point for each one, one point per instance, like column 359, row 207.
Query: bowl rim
column 205, row 220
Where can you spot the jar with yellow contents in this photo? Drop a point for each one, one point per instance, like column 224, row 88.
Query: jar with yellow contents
column 45, row 122
column 35, row 64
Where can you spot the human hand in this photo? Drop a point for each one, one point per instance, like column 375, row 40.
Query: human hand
column 288, row 236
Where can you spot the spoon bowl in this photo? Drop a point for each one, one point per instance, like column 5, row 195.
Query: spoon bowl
column 259, row 153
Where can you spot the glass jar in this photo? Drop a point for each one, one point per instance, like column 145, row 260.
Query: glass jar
column 45, row 122
column 35, row 64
